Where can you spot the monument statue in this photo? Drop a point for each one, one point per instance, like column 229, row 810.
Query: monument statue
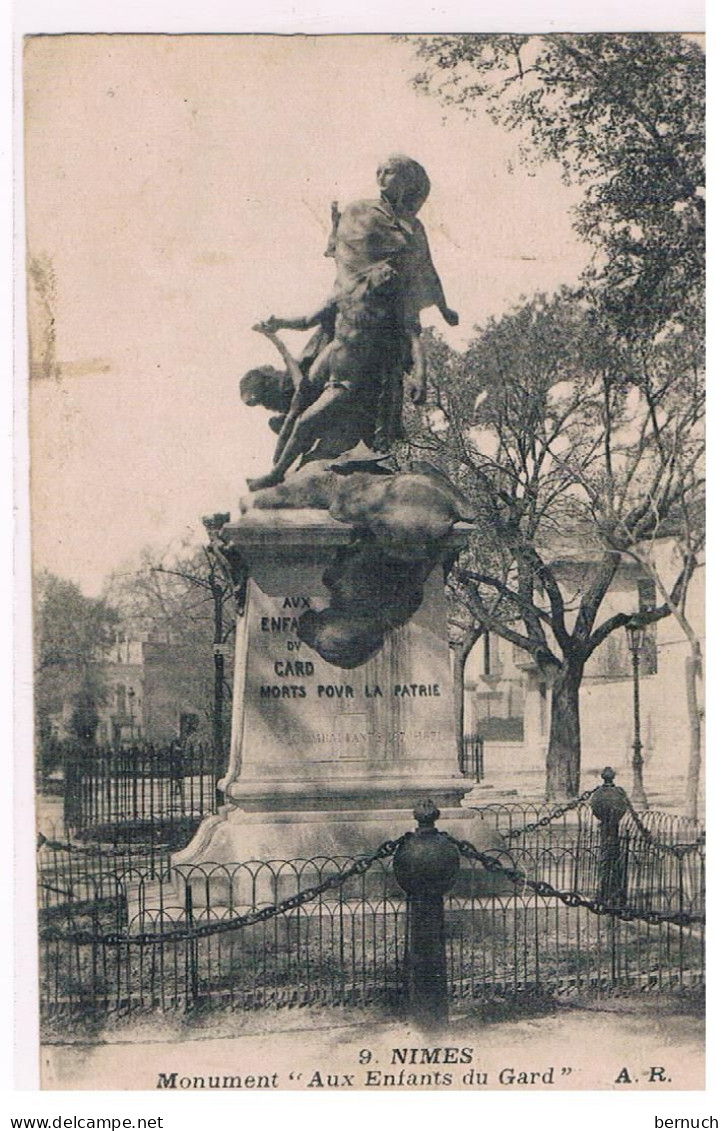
column 343, row 698
column 339, row 411
column 347, row 388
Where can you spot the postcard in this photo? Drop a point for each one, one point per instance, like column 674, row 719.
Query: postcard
column 366, row 400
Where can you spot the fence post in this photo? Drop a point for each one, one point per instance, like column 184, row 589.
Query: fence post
column 425, row 866
column 71, row 790
column 192, row 968
column 609, row 803
column 95, row 934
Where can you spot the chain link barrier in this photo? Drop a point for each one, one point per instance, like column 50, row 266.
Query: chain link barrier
column 202, row 930
column 572, row 898
column 359, row 868
column 553, row 816
column 678, row 850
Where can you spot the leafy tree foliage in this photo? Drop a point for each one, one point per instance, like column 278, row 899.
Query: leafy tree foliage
column 576, row 420
column 571, row 451
column 184, row 598
column 623, row 115
column 72, row 633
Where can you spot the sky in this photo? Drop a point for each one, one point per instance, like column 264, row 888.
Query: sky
column 180, row 186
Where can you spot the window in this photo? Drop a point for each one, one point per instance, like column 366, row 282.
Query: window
column 501, row 712
column 498, row 729
column 492, row 662
column 543, row 707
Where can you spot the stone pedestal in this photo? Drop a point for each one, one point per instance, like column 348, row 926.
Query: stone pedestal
column 326, row 761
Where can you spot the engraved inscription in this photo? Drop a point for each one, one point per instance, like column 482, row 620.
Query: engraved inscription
column 380, row 712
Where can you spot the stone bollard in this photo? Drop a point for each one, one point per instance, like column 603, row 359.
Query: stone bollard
column 609, row 803
column 425, row 867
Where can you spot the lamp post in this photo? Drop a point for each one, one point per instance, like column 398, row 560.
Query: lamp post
column 635, row 627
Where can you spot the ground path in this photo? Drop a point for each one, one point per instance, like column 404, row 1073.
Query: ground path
column 586, row 1047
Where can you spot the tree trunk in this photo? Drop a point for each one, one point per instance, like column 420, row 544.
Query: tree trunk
column 563, row 761
column 693, row 672
column 458, row 678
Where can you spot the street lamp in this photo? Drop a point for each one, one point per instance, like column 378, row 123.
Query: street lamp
column 635, row 627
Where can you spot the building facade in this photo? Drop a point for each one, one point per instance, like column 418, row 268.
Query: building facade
column 153, row 694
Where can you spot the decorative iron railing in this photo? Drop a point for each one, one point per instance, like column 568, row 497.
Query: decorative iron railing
column 471, row 757
column 139, row 937
column 132, row 793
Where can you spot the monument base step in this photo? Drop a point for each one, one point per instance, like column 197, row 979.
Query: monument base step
column 485, row 794
column 241, row 858
column 234, row 835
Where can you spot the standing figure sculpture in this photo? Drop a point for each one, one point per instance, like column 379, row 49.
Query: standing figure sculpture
column 347, row 387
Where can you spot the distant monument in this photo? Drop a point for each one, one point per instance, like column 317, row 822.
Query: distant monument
column 343, row 713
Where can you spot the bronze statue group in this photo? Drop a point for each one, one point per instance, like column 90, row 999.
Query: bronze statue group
column 347, row 386
column 339, row 411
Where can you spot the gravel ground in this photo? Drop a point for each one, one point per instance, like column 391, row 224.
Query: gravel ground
column 618, row 1044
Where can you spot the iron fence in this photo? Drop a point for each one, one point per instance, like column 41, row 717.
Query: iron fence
column 533, row 823
column 649, row 874
column 567, row 904
column 137, row 940
column 470, row 757
column 116, row 794
column 343, row 949
column 70, row 873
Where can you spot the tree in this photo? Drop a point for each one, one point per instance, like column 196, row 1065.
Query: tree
column 185, row 598
column 85, row 718
column 465, row 632
column 72, row 633
column 589, row 407
column 687, row 544
column 623, row 115
column 560, row 435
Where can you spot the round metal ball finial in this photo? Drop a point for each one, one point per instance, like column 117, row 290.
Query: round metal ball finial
column 426, row 813
column 427, row 863
column 609, row 802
